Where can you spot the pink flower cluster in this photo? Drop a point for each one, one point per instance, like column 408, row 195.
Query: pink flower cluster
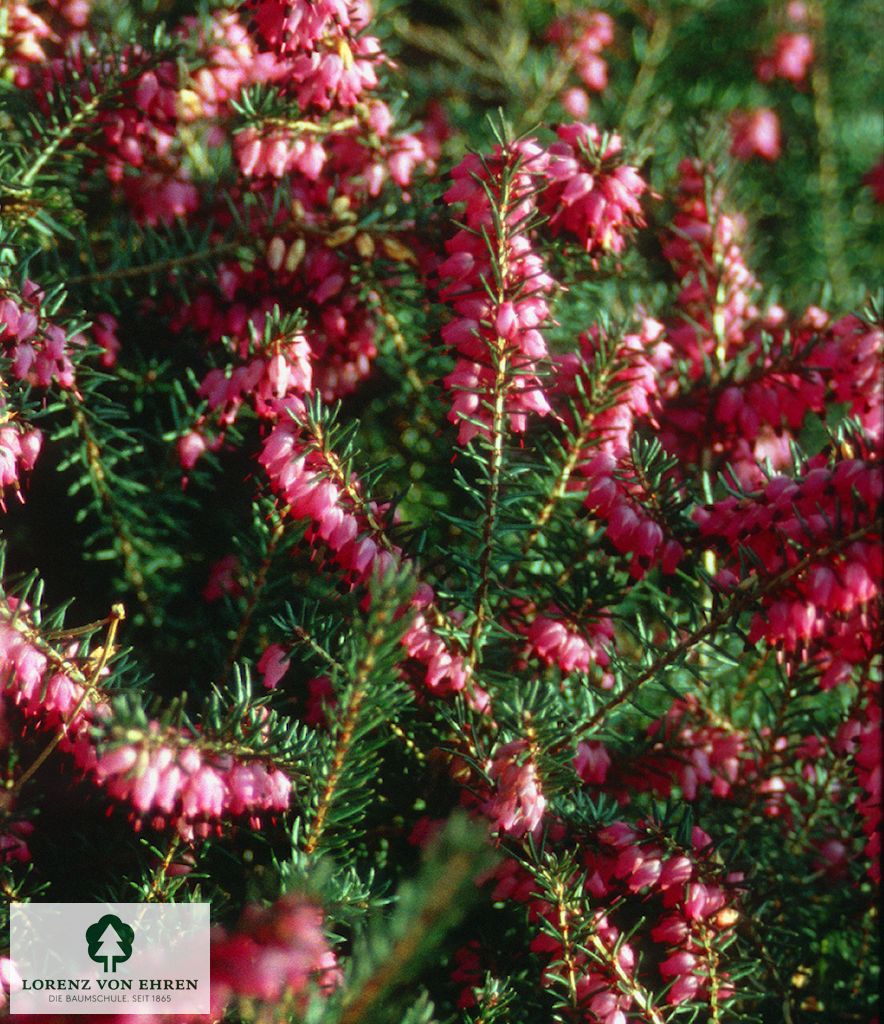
column 628, row 378
column 865, row 743
column 580, row 39
column 791, row 58
column 692, row 753
column 230, row 60
column 340, row 329
column 848, row 358
column 19, row 448
column 277, row 369
column 828, row 610
column 38, row 350
column 517, row 804
column 680, row 893
column 592, row 193
column 138, row 146
column 756, row 133
column 353, row 530
column 171, row 776
column 716, row 286
column 31, row 38
column 794, row 369
column 496, row 284
column 599, row 986
column 274, row 954
column 167, row 777
column 556, row 641
column 332, row 61
column 631, row 858
column 687, row 751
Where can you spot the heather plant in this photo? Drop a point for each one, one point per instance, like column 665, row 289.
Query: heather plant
column 440, row 467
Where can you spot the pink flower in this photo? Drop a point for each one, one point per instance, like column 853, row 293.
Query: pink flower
column 792, row 57
column 190, row 447
column 593, row 194
column 273, row 665
column 592, row 762
column 517, row 804
column 275, row 953
column 756, row 133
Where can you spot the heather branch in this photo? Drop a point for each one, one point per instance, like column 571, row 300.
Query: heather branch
column 629, row 986
column 89, row 686
column 14, row 617
column 98, row 475
column 346, row 734
column 501, row 256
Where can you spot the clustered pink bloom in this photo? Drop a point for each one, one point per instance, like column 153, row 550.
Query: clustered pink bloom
column 580, row 39
column 629, row 857
column 848, row 358
column 167, row 775
column 42, row 689
column 692, row 753
column 592, row 194
column 755, row 133
column 688, row 749
column 599, row 987
column 867, row 761
column 38, row 350
column 342, row 150
column 139, row 133
column 274, row 371
column 354, row 532
column 31, row 38
column 716, row 287
column 689, row 907
column 337, row 347
column 496, row 285
column 628, row 376
column 19, row 448
column 556, row 641
column 232, row 61
column 794, row 368
column 791, row 59
column 517, row 804
column 332, row 59
column 274, row 954
column 828, row 611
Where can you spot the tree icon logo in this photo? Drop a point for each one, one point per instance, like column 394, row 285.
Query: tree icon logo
column 110, row 941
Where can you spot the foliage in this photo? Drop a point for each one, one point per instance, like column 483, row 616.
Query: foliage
column 434, row 535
